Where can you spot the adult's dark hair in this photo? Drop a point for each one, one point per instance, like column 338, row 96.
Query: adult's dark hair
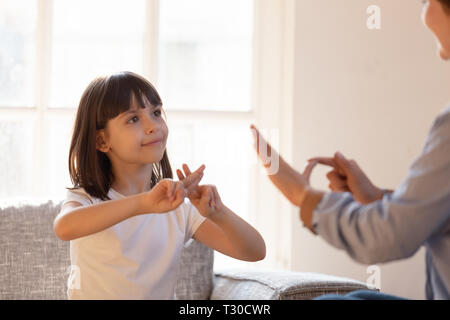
column 104, row 99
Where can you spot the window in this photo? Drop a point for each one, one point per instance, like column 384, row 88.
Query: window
column 203, row 56
column 17, row 58
column 205, row 50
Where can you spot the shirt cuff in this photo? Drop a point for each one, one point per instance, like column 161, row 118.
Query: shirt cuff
column 327, row 200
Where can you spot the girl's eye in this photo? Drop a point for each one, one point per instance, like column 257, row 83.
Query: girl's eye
column 157, row 113
column 132, row 119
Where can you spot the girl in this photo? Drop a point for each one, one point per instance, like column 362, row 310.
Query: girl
column 125, row 218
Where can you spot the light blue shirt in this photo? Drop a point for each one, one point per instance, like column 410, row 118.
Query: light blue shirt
column 416, row 214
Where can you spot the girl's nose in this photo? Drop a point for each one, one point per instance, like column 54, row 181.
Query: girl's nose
column 150, row 126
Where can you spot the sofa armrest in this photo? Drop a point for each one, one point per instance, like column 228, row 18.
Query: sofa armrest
column 279, row 285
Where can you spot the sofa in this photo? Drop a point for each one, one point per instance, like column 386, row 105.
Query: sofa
column 35, row 264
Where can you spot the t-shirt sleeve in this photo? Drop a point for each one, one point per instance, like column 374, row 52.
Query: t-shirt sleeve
column 78, row 195
column 193, row 220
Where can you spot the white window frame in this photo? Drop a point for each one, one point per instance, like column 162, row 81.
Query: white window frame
column 272, row 108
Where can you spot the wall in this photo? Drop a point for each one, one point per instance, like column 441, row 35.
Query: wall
column 371, row 94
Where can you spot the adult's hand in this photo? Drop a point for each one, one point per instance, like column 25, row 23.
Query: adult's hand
column 347, row 176
column 292, row 184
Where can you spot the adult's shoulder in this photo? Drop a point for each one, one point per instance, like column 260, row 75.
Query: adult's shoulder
column 443, row 117
column 441, row 124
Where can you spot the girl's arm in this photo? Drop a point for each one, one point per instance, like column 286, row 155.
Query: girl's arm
column 75, row 221
column 229, row 234
column 223, row 230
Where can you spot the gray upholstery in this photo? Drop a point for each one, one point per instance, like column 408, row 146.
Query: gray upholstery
column 278, row 285
column 33, row 261
column 34, row 264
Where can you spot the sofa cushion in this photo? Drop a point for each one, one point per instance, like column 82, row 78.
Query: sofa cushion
column 195, row 273
column 34, row 263
column 278, row 285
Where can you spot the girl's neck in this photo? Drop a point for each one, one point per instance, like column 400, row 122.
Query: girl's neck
column 130, row 180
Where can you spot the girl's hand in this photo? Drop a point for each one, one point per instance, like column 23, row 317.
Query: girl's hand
column 347, row 176
column 165, row 196
column 207, row 201
column 205, row 197
column 191, row 180
column 290, row 182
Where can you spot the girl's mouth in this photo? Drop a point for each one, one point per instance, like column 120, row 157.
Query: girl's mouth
column 152, row 143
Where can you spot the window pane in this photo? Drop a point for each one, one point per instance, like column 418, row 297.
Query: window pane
column 92, row 38
column 205, row 49
column 17, row 52
column 58, row 134
column 226, row 150
column 16, row 158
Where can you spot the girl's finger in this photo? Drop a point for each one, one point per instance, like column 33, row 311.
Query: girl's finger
column 186, row 169
column 195, row 177
column 179, row 191
column 206, row 195
column 179, row 197
column 216, row 196
column 192, row 184
column 211, row 197
column 180, row 175
column 170, row 188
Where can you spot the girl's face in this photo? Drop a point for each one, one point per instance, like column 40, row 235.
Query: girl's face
column 438, row 21
column 137, row 136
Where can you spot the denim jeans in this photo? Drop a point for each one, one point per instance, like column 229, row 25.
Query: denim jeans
column 360, row 295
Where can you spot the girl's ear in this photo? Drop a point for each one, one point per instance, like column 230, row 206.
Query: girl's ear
column 100, row 141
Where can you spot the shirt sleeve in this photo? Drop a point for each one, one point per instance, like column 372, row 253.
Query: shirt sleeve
column 193, row 220
column 78, row 195
column 399, row 224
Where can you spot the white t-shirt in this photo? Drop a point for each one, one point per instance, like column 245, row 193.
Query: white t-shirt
column 135, row 259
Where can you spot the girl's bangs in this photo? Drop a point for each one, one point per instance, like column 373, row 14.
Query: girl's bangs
column 118, row 90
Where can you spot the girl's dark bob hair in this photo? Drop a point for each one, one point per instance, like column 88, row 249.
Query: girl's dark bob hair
column 105, row 98
column 446, row 5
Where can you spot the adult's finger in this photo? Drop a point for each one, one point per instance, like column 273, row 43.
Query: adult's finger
column 308, row 170
column 336, row 179
column 342, row 162
column 331, row 162
column 325, row 161
column 259, row 141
